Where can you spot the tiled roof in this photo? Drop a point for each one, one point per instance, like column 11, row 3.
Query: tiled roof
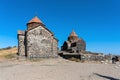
column 35, row 19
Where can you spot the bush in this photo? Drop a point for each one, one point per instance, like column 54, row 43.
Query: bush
column 9, row 47
column 14, row 46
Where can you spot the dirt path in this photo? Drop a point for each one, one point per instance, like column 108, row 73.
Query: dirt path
column 58, row 69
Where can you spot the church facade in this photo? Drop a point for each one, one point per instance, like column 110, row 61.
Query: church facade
column 37, row 40
column 74, row 44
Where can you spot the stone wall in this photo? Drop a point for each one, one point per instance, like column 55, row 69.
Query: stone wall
column 39, row 42
column 80, row 46
column 55, row 47
column 21, row 45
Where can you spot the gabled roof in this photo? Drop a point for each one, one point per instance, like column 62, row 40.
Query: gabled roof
column 35, row 19
column 73, row 33
column 20, row 32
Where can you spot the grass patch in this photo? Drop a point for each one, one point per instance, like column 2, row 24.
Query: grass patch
column 9, row 56
column 8, row 53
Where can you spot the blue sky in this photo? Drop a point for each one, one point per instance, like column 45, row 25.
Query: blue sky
column 96, row 21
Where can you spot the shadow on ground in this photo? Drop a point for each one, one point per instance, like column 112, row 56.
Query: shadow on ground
column 107, row 77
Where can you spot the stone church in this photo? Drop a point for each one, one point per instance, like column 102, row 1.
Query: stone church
column 37, row 41
column 74, row 44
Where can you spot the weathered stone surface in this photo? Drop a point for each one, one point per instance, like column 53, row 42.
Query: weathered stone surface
column 21, row 46
column 37, row 42
column 55, row 47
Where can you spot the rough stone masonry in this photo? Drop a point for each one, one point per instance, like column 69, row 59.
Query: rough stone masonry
column 37, row 41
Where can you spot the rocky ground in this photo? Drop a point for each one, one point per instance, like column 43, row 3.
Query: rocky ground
column 57, row 69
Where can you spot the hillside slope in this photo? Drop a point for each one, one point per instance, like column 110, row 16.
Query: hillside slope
column 8, row 53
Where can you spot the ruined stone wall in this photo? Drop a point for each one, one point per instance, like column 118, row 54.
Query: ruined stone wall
column 21, row 46
column 39, row 42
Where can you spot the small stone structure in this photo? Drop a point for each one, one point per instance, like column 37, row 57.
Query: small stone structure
column 37, row 41
column 74, row 44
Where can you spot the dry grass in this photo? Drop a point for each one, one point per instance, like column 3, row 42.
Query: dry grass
column 8, row 53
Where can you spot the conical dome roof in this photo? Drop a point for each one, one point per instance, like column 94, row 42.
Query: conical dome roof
column 35, row 19
column 73, row 33
column 73, row 37
column 34, row 22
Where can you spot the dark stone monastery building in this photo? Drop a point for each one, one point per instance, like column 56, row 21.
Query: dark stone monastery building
column 37, row 40
column 74, row 44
